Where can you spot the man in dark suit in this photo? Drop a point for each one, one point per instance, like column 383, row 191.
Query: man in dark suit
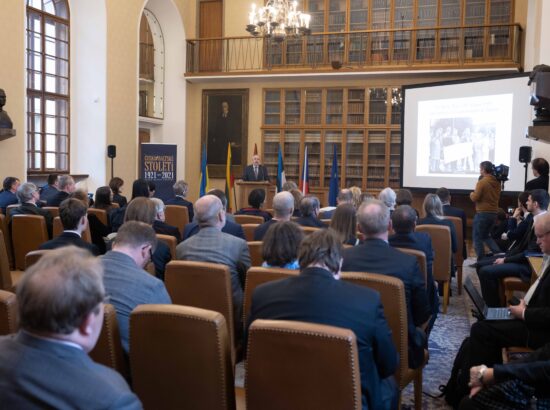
column 66, row 188
column 404, row 222
column 345, row 196
column 7, row 195
column 375, row 255
column 73, row 215
column 159, row 224
column 50, row 189
column 317, row 296
column 180, row 191
column 225, row 130
column 448, row 210
column 28, row 196
column 283, row 207
column 46, row 364
column 309, row 210
column 256, row 171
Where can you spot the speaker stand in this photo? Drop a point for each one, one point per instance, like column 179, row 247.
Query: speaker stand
column 113, row 161
column 525, row 180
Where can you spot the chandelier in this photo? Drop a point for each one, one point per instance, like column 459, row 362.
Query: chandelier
column 278, row 19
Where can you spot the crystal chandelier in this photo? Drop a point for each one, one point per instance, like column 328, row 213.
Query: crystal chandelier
column 278, row 19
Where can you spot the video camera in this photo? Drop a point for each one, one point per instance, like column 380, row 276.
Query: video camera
column 500, row 172
column 539, row 80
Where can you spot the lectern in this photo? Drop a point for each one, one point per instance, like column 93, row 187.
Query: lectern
column 245, row 187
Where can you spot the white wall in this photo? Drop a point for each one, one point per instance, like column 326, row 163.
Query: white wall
column 172, row 129
column 88, row 91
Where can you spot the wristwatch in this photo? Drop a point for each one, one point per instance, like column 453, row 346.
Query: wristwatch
column 481, row 373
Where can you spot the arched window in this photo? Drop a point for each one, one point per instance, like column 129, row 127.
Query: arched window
column 151, row 67
column 47, row 86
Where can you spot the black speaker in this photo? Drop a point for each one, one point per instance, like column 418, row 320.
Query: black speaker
column 525, row 154
column 111, row 151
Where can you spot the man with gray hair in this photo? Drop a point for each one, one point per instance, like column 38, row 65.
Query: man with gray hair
column 345, row 196
column 210, row 244
column 159, row 224
column 375, row 255
column 46, row 364
column 66, row 187
column 283, row 207
column 180, row 192
column 309, row 210
column 28, row 196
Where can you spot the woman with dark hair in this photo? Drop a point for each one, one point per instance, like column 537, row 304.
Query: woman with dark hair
column 116, row 185
column 103, row 198
column 140, row 188
column 280, row 245
column 344, row 223
column 540, row 169
column 256, row 199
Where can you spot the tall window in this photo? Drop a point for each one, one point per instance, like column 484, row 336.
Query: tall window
column 47, row 86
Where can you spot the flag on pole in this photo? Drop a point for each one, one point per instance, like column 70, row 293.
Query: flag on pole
column 333, row 185
column 255, row 149
column 204, row 174
column 229, row 179
column 281, row 179
column 304, row 180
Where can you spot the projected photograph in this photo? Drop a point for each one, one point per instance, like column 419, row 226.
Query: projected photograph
column 458, row 145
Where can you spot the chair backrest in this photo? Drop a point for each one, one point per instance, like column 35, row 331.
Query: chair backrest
column 298, row 365
column 101, row 215
column 115, row 205
column 249, row 219
column 8, row 313
column 28, row 233
column 459, row 254
column 392, row 295
column 34, row 256
column 203, row 285
column 249, row 231
column 54, row 210
column 309, row 229
column 255, row 249
column 7, row 239
column 8, row 210
column 258, row 276
column 326, row 221
column 420, row 258
column 108, row 349
column 5, row 272
column 187, row 364
column 170, row 241
column 177, row 215
column 441, row 243
column 58, row 230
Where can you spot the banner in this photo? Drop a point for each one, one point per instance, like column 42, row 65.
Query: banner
column 158, row 164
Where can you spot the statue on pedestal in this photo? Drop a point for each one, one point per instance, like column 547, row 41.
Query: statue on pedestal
column 5, row 121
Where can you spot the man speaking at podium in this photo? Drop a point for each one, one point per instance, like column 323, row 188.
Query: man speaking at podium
column 256, row 171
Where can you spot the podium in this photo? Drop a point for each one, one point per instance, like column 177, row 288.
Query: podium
column 245, row 187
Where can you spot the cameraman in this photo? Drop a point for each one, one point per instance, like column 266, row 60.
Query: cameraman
column 486, row 196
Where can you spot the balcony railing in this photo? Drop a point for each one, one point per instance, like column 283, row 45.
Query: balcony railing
column 467, row 46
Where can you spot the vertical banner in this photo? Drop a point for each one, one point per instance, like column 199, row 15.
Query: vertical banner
column 158, row 164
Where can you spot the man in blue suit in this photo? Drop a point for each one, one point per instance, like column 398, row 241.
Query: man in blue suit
column 318, row 296
column 375, row 255
column 46, row 364
column 404, row 222
column 7, row 195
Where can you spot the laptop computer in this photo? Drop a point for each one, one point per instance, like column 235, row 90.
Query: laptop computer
column 485, row 312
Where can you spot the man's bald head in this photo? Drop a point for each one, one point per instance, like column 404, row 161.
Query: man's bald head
column 283, row 205
column 373, row 218
column 207, row 210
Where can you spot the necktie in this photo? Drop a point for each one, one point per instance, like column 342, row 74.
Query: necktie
column 256, row 172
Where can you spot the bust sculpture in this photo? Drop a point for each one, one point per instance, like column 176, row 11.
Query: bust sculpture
column 5, row 121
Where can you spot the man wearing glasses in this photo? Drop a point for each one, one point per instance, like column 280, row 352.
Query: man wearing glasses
column 126, row 282
column 46, row 364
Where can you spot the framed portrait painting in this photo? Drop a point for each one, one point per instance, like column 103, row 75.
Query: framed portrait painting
column 225, row 121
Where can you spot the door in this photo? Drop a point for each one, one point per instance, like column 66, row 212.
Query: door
column 210, row 26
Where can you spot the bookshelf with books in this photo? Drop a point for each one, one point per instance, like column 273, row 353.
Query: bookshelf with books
column 378, row 105
column 395, row 159
column 292, row 107
column 335, row 106
column 312, row 140
column 356, row 106
column 272, row 140
column 474, row 14
column 291, row 154
column 376, row 159
column 499, row 37
column 272, row 107
column 426, row 16
column 354, row 158
column 314, row 99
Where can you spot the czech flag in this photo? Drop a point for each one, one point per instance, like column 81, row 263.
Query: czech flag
column 333, row 185
column 229, row 179
column 204, row 174
column 281, row 179
column 304, row 180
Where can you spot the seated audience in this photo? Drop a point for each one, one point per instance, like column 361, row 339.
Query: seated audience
column 74, row 218
column 103, row 199
column 126, row 282
column 297, row 195
column 256, row 199
column 50, row 189
column 514, row 262
column 143, row 209
column 280, row 245
column 388, row 196
column 448, row 210
column 160, row 225
column 520, row 222
column 540, row 169
column 140, row 189
column 180, row 193
column 366, row 196
column 375, row 255
column 66, row 187
column 210, row 244
column 309, row 210
column 499, row 229
column 403, row 197
column 152, row 188
column 7, row 195
column 98, row 230
column 404, row 224
column 318, row 296
column 344, row 223
column 116, row 185
column 283, row 207
column 356, row 196
column 28, row 196
column 46, row 364
column 230, row 227
column 345, row 196
column 289, row 185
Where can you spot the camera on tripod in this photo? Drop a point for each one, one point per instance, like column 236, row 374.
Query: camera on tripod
column 500, row 172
